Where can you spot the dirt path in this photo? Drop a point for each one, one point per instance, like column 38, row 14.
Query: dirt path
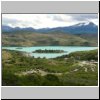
column 43, row 73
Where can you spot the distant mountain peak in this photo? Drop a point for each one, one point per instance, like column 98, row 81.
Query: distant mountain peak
column 85, row 23
column 91, row 23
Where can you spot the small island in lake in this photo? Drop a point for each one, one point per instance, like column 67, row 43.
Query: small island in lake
column 19, row 48
column 48, row 51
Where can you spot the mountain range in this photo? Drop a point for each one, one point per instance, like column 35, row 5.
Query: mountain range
column 82, row 34
column 87, row 27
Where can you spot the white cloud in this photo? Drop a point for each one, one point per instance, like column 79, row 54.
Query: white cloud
column 44, row 20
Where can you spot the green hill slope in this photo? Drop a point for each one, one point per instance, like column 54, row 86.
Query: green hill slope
column 22, row 38
column 20, row 70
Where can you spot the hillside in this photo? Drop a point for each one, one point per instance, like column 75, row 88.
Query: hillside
column 55, row 38
column 19, row 69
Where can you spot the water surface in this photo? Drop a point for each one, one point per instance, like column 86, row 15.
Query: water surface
column 67, row 49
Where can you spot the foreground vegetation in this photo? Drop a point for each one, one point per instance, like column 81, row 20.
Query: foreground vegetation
column 75, row 69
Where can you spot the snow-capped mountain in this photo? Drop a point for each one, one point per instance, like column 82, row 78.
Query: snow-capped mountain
column 86, row 27
column 85, row 24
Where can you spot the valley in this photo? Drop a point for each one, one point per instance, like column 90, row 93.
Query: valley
column 58, row 56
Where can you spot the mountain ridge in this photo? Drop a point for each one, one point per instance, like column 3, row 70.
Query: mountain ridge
column 89, row 27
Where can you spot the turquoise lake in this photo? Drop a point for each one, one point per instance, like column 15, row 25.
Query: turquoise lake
column 67, row 49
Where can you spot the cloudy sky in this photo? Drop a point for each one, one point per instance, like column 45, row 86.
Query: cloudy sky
column 46, row 20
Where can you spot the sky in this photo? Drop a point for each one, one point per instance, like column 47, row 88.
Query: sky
column 46, row 20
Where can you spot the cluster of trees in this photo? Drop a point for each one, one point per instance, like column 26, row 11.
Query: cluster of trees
column 10, row 79
column 48, row 51
column 85, row 55
column 72, row 79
